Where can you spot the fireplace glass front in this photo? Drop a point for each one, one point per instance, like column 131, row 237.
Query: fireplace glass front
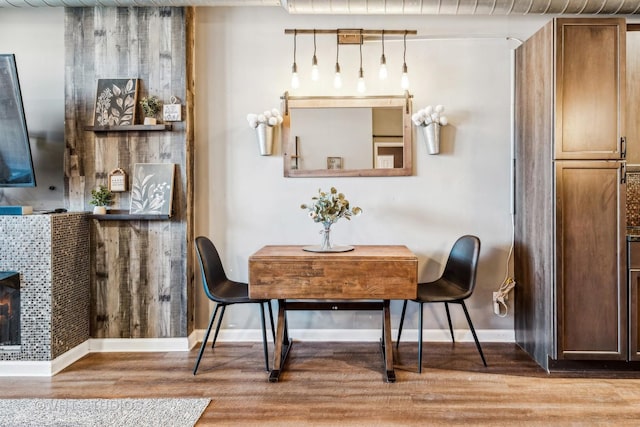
column 9, row 309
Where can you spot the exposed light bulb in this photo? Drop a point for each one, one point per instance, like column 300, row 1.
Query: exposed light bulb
column 382, row 74
column 295, row 80
column 337, row 79
column 361, row 85
column 404, row 81
column 315, row 74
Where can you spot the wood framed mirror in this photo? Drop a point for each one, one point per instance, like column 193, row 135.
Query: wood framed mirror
column 347, row 136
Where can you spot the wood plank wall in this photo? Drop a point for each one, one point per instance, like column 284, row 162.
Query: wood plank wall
column 142, row 283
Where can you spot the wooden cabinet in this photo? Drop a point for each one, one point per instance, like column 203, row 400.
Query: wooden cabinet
column 590, row 66
column 571, row 301
column 590, row 257
column 634, row 298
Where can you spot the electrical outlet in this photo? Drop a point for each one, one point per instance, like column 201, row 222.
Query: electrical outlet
column 496, row 306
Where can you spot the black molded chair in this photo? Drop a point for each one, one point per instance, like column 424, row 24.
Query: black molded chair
column 224, row 292
column 454, row 286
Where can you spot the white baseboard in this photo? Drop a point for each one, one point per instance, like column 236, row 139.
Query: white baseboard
column 355, row 335
column 20, row 368
column 29, row 368
column 134, row 345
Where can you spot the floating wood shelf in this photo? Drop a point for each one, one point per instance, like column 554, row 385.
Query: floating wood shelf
column 124, row 215
column 128, row 128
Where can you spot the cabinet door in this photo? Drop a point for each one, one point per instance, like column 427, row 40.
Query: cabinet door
column 634, row 325
column 590, row 88
column 591, row 296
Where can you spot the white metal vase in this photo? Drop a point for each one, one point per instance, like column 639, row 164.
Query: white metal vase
column 265, row 138
column 431, row 135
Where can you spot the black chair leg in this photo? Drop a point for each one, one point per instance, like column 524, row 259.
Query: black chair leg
column 420, row 340
column 215, row 336
column 204, row 341
column 273, row 329
column 264, row 337
column 446, row 307
column 404, row 309
column 473, row 331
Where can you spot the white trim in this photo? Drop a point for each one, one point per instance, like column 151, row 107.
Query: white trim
column 133, row 345
column 32, row 368
column 355, row 335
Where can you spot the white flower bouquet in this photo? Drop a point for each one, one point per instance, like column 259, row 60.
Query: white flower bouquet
column 328, row 208
column 429, row 115
column 270, row 118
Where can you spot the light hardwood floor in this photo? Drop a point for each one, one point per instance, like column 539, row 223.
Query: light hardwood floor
column 341, row 384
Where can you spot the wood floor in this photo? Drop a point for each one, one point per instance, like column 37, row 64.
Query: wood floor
column 341, row 384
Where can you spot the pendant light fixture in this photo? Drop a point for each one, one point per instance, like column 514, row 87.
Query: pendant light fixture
column 361, row 85
column 315, row 74
column 337, row 79
column 404, row 81
column 295, row 81
column 349, row 37
column 382, row 74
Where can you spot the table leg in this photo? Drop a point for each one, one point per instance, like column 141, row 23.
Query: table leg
column 282, row 345
column 387, row 345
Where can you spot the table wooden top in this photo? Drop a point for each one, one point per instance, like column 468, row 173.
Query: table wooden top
column 359, row 251
column 367, row 272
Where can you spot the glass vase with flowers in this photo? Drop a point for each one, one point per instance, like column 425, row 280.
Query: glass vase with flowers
column 327, row 208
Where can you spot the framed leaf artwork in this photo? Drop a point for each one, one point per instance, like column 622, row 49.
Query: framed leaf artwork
column 116, row 102
column 152, row 189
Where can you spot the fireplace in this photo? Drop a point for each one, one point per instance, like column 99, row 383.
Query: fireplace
column 9, row 309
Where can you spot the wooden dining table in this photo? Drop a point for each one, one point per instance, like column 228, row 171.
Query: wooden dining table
column 365, row 278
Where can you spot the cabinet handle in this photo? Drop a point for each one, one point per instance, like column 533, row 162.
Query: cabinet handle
column 623, row 147
column 623, row 174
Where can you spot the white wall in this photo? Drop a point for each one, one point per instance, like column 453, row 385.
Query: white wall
column 243, row 65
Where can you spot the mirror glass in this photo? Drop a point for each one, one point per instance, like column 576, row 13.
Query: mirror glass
column 347, row 136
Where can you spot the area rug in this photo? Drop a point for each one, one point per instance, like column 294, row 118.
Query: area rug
column 101, row 412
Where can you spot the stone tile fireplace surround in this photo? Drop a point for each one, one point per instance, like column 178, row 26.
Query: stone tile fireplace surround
column 51, row 253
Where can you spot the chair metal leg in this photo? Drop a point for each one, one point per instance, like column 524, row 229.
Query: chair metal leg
column 215, row 336
column 273, row 329
column 420, row 340
column 446, row 307
column 204, row 341
column 404, row 309
column 264, row 338
column 473, row 331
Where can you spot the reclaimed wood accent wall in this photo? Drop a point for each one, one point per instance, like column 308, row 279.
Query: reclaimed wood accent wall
column 142, row 283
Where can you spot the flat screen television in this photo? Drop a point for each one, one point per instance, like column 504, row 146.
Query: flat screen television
column 16, row 163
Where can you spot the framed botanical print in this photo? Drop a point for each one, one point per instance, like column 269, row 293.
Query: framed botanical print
column 152, row 189
column 116, row 102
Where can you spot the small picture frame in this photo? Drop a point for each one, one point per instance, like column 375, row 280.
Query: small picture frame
column 117, row 180
column 115, row 102
column 334, row 162
column 172, row 112
column 388, row 154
